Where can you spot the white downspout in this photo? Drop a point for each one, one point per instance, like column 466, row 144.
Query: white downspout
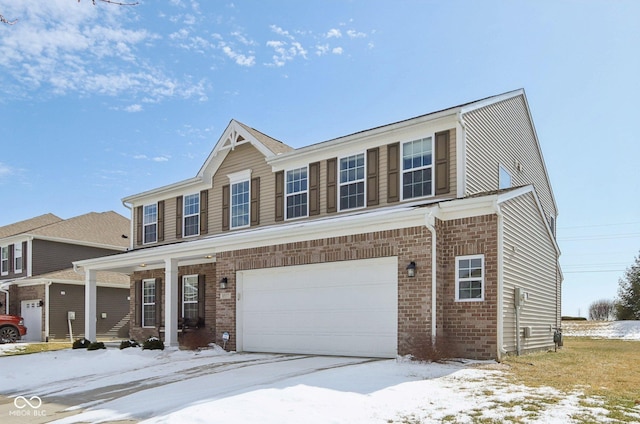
column 499, row 318
column 130, row 224
column 430, row 221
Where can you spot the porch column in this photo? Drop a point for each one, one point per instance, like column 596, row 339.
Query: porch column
column 171, row 302
column 90, row 309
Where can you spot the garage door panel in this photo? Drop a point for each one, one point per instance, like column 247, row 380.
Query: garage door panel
column 342, row 308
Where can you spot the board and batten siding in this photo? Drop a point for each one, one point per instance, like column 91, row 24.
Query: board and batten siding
column 502, row 134
column 530, row 262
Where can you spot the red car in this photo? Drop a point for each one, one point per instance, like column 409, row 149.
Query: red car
column 11, row 328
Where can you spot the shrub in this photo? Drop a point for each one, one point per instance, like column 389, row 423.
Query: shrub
column 128, row 343
column 153, row 343
column 96, row 346
column 81, row 344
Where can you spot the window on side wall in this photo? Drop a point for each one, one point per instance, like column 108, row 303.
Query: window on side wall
column 296, row 193
column 240, row 205
column 505, row 178
column 190, row 298
column 150, row 222
column 149, row 303
column 191, row 215
column 17, row 255
column 352, row 182
column 4, row 260
column 417, row 168
column 470, row 278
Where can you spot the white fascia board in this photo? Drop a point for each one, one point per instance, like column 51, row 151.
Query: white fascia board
column 343, row 146
column 461, row 156
column 468, row 207
column 491, row 100
column 18, row 238
column 191, row 185
column 39, row 281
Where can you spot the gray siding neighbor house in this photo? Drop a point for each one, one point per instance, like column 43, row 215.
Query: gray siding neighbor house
column 37, row 280
column 433, row 232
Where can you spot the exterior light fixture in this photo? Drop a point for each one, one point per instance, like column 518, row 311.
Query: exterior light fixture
column 411, row 269
column 223, row 283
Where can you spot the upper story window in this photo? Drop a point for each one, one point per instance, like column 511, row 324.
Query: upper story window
column 191, row 215
column 150, row 222
column 240, row 204
column 470, row 278
column 417, row 168
column 296, row 193
column 504, row 178
column 4, row 260
column 149, row 303
column 17, row 258
column 352, row 173
column 190, row 297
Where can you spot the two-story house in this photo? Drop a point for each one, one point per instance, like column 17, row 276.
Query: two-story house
column 37, row 280
column 438, row 230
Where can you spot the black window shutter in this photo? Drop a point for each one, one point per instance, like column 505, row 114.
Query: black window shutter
column 204, row 212
column 180, row 317
column 442, row 162
column 137, row 303
column 179, row 200
column 393, row 172
column 225, row 207
column 159, row 300
column 332, row 187
column 372, row 177
column 201, row 299
column 161, row 220
column 314, row 188
column 255, row 201
column 139, row 218
column 280, row 196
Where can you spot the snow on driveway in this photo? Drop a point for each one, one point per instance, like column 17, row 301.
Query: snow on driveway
column 211, row 386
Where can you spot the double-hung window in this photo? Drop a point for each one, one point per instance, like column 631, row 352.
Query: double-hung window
column 149, row 303
column 240, row 204
column 296, row 194
column 190, row 297
column 150, row 222
column 470, row 278
column 191, row 215
column 17, row 258
column 352, row 182
column 417, row 168
column 4, row 260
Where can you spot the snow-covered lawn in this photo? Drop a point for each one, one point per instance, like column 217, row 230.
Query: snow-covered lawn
column 212, row 386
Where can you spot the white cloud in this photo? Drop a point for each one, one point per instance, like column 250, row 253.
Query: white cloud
column 4, row 170
column 133, row 108
column 334, row 33
column 276, row 29
column 179, row 35
column 322, row 49
column 239, row 58
column 161, row 159
column 337, row 50
column 355, row 34
column 140, row 157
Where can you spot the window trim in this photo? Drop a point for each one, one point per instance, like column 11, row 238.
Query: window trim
column 4, row 269
column 185, row 216
column 17, row 247
column 182, row 300
column 144, row 305
column 144, row 224
column 403, row 171
column 481, row 278
column 287, row 194
column 340, row 184
column 235, row 179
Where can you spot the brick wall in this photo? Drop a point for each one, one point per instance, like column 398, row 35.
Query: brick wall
column 468, row 328
column 410, row 244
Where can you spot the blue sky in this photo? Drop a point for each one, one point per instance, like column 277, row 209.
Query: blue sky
column 101, row 102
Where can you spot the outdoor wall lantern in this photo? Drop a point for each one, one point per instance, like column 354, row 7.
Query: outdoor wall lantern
column 411, row 269
column 223, row 283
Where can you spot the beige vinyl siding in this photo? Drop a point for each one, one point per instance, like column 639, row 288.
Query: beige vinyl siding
column 530, row 262
column 502, row 134
column 243, row 157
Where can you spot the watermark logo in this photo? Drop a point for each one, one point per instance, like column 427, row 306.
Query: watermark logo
column 28, row 407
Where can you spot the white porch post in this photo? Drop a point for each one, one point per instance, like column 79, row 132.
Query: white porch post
column 90, row 309
column 171, row 302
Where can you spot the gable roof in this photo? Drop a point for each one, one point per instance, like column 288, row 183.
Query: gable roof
column 96, row 228
column 28, row 225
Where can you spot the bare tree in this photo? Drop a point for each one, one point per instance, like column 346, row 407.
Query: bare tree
column 117, row 3
column 602, row 310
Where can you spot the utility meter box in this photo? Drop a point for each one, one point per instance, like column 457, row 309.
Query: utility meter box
column 71, row 315
column 527, row 332
column 520, row 296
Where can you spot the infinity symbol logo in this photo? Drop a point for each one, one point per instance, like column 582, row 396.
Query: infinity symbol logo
column 21, row 402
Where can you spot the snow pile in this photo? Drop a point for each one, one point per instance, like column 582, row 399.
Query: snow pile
column 625, row 330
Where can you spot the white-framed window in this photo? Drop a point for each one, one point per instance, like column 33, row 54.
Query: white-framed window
column 17, row 258
column 504, row 178
column 150, row 223
column 297, row 184
column 470, row 278
column 240, row 205
column 352, row 177
column 417, row 168
column 4, row 260
column 191, row 216
column 149, row 303
column 190, row 297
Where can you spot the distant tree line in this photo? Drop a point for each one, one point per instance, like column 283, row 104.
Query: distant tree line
column 627, row 305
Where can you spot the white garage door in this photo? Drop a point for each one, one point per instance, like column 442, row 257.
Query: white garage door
column 342, row 308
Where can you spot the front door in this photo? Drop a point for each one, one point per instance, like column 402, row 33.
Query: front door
column 31, row 311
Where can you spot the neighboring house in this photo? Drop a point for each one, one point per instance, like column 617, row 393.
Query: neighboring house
column 380, row 243
column 37, row 280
